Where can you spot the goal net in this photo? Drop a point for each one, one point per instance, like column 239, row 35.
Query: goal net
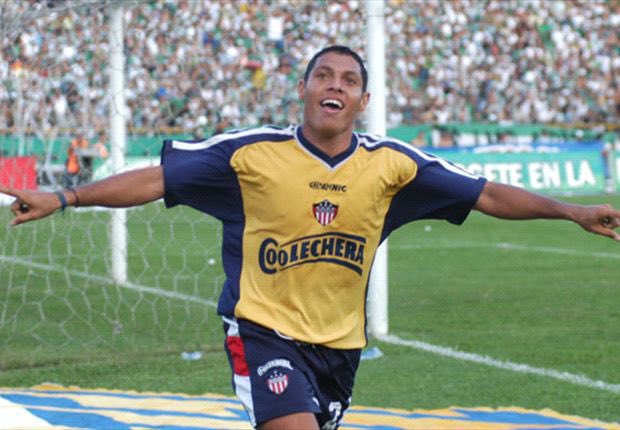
column 58, row 298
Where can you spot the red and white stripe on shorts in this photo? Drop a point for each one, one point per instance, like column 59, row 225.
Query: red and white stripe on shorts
column 241, row 373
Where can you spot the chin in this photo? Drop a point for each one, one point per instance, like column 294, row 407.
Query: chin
column 333, row 125
column 328, row 130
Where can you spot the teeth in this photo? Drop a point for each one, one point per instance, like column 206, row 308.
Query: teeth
column 332, row 102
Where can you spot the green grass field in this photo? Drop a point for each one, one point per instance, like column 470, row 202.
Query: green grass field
column 539, row 293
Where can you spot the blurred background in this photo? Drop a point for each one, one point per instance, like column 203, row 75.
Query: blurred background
column 197, row 67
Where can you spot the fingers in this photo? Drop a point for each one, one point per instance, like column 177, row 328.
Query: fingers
column 600, row 219
column 610, row 217
column 10, row 192
column 615, row 218
column 25, row 211
column 22, row 218
column 612, row 234
column 19, row 219
column 603, row 231
column 23, row 207
column 609, row 221
column 17, row 206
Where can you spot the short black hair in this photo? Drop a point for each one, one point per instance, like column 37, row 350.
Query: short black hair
column 339, row 49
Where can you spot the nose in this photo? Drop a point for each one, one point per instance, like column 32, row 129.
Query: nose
column 335, row 85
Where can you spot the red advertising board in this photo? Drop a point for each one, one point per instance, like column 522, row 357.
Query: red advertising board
column 19, row 172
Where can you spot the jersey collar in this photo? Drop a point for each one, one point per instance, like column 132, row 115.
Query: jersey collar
column 331, row 161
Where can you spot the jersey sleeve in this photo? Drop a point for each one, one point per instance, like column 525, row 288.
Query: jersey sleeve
column 198, row 174
column 440, row 190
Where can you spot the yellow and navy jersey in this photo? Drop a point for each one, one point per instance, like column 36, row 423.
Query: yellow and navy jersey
column 300, row 228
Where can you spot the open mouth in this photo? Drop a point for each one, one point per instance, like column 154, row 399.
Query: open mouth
column 332, row 105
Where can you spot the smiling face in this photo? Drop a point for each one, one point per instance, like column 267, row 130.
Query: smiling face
column 333, row 97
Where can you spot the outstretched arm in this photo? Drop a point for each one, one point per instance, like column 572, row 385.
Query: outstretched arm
column 132, row 188
column 508, row 202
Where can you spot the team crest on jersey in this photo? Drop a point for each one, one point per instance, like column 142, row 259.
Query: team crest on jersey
column 277, row 382
column 324, row 212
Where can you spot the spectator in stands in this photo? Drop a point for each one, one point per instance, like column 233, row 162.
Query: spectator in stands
column 101, row 145
column 458, row 61
column 74, row 169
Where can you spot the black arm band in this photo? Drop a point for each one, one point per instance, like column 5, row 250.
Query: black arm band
column 63, row 200
column 77, row 199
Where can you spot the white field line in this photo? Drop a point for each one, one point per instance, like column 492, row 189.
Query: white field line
column 109, row 281
column 512, row 247
column 504, row 365
column 507, row 365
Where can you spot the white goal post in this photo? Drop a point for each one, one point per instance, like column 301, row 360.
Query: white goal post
column 118, row 137
column 377, row 302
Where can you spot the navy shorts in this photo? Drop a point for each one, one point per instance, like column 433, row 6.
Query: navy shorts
column 274, row 375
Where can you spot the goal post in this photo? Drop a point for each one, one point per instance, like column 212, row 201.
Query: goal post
column 377, row 302
column 118, row 138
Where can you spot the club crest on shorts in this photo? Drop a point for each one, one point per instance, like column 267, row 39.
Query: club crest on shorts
column 277, row 382
column 324, row 212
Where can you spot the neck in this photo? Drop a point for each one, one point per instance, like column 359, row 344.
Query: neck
column 332, row 144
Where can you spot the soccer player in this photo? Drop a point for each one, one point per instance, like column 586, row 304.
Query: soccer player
column 304, row 210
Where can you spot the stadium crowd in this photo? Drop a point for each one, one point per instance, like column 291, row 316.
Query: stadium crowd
column 196, row 64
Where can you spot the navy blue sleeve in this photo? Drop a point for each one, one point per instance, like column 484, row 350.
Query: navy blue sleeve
column 440, row 190
column 198, row 174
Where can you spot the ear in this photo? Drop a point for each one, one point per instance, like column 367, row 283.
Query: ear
column 364, row 101
column 301, row 89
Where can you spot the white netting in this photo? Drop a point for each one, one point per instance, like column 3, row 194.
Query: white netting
column 58, row 300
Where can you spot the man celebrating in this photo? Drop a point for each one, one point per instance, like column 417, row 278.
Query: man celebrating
column 304, row 209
